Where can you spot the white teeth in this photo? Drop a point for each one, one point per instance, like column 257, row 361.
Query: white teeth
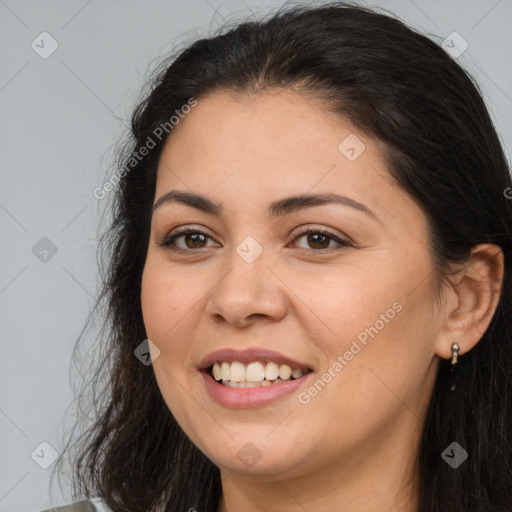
column 272, row 371
column 217, row 373
column 296, row 374
column 285, row 372
column 235, row 374
column 225, row 371
column 255, row 372
column 243, row 384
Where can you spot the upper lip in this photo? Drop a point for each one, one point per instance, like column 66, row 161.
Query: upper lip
column 250, row 355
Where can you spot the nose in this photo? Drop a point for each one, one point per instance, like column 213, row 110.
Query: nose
column 248, row 293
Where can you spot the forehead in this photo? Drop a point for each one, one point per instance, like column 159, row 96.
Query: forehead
column 247, row 147
column 264, row 132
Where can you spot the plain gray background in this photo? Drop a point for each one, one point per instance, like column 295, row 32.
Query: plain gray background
column 59, row 122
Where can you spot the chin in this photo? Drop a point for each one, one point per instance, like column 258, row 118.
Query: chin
column 254, row 453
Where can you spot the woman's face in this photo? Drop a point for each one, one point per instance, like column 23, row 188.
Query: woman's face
column 356, row 313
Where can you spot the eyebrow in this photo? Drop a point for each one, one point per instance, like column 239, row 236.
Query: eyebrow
column 277, row 208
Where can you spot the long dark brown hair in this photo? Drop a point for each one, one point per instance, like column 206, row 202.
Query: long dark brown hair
column 440, row 146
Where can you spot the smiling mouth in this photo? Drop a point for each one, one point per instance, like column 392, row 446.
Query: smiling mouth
column 253, row 375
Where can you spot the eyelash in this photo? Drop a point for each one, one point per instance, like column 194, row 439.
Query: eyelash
column 168, row 241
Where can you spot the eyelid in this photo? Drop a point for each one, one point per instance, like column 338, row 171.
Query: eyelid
column 320, row 229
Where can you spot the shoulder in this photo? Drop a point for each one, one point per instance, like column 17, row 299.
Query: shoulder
column 77, row 506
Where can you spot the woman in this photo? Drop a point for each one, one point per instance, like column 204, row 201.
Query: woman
column 308, row 290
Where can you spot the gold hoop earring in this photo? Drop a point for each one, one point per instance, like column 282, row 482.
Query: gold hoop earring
column 455, row 353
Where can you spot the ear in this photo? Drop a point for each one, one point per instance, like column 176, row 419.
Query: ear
column 471, row 300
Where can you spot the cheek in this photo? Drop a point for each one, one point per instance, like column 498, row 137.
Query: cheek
column 163, row 305
column 347, row 304
column 163, row 300
column 378, row 327
column 386, row 360
column 170, row 303
column 152, row 304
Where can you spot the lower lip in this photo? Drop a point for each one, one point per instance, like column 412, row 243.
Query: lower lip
column 250, row 397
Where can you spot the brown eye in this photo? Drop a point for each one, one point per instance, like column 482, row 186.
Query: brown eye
column 320, row 239
column 194, row 239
